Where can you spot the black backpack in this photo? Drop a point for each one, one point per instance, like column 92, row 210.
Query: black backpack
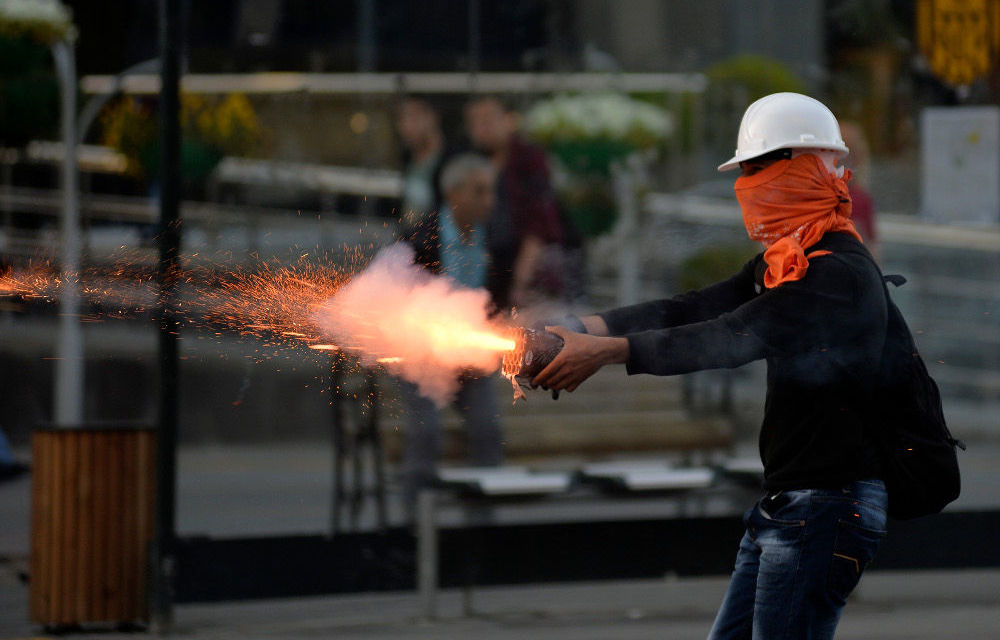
column 920, row 465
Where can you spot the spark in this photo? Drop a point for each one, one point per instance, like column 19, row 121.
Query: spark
column 402, row 315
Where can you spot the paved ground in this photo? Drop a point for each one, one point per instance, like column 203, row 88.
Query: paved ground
column 910, row 605
column 257, row 491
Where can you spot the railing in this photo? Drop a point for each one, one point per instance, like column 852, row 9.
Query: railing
column 390, row 83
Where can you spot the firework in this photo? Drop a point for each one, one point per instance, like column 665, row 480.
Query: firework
column 392, row 313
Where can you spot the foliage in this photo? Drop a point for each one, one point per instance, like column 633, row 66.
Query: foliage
column 757, row 75
column 712, row 264
column 210, row 127
column 588, row 133
column 862, row 23
column 40, row 21
column 29, row 92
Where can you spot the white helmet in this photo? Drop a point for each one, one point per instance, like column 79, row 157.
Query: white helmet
column 786, row 121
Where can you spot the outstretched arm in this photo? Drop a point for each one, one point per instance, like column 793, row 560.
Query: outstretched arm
column 694, row 306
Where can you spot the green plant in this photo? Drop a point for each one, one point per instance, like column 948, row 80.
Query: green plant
column 29, row 92
column 713, row 264
column 754, row 74
column 211, row 128
column 40, row 21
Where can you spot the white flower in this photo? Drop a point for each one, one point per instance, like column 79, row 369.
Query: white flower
column 599, row 116
column 45, row 20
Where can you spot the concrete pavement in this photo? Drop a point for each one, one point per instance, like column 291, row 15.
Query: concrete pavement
column 910, row 605
column 285, row 488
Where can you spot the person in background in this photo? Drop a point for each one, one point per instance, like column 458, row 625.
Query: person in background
column 452, row 242
column 862, row 204
column 525, row 231
column 419, row 127
column 813, row 305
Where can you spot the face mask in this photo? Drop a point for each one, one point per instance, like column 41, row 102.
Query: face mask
column 828, row 158
column 788, row 206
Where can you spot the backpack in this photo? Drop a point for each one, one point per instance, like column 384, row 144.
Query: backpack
column 920, row 465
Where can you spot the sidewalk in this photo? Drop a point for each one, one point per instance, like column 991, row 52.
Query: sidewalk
column 910, row 605
column 284, row 488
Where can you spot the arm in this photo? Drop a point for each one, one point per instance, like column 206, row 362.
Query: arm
column 723, row 342
column 819, row 313
column 695, row 306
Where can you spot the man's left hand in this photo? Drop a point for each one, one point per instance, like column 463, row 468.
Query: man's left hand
column 581, row 356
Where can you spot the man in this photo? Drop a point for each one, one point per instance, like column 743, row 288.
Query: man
column 525, row 229
column 452, row 242
column 419, row 129
column 813, row 305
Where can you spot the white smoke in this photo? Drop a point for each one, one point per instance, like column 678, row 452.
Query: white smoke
column 397, row 309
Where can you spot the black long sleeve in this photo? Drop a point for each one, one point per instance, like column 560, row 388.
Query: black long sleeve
column 821, row 336
column 691, row 307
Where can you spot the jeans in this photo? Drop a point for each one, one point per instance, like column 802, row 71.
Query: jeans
column 477, row 403
column 801, row 556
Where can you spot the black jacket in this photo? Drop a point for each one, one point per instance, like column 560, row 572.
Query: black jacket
column 822, row 337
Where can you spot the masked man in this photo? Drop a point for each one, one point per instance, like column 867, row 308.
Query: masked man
column 813, row 305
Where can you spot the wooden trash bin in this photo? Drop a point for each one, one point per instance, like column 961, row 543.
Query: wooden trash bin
column 93, row 492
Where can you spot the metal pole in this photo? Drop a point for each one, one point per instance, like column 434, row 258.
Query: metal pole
column 69, row 366
column 367, row 62
column 427, row 553
column 339, row 442
column 169, row 269
column 475, row 37
column 366, row 36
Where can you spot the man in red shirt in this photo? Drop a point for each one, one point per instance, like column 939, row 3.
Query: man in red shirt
column 525, row 223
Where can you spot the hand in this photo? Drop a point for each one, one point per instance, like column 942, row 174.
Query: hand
column 581, row 356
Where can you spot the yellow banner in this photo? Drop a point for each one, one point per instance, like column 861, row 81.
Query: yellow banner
column 959, row 38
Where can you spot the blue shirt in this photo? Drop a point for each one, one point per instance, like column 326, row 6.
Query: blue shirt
column 463, row 260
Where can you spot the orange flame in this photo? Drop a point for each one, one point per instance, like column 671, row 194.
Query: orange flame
column 451, row 334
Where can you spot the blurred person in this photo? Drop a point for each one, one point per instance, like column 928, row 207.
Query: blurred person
column 418, row 124
column 813, row 305
column 862, row 204
column 525, row 230
column 452, row 242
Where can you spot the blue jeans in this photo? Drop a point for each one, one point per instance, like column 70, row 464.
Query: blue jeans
column 801, row 556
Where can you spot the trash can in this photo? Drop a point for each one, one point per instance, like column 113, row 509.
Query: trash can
column 92, row 509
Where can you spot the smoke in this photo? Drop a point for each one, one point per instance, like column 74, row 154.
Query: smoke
column 422, row 327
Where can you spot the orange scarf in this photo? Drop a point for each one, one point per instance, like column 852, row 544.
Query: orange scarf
column 788, row 206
